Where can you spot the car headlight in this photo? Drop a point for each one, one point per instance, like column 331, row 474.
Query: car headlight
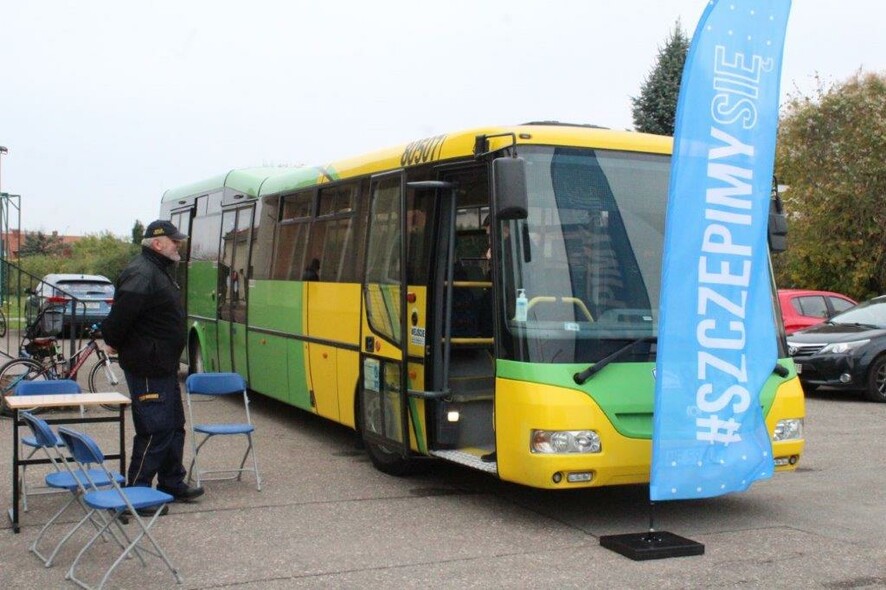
column 788, row 429
column 564, row 441
column 842, row 347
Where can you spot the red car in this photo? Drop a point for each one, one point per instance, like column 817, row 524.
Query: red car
column 801, row 308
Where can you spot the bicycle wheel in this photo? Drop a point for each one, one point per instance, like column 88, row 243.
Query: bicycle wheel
column 107, row 376
column 13, row 373
column 2, row 324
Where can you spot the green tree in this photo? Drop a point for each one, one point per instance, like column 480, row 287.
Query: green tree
column 100, row 254
column 138, row 232
column 38, row 243
column 831, row 154
column 656, row 107
column 103, row 254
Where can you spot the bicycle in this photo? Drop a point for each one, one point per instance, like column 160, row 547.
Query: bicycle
column 2, row 323
column 41, row 357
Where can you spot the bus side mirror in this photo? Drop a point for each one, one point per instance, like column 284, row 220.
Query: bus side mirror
column 509, row 188
column 778, row 226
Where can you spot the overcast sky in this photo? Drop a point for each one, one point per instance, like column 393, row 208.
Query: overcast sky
column 105, row 104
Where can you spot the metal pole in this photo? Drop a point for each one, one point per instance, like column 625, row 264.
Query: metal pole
column 3, row 150
column 4, row 229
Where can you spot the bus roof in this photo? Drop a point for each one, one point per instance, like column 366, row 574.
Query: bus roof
column 265, row 181
column 460, row 145
column 246, row 180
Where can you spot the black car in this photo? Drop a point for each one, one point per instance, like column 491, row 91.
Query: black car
column 846, row 352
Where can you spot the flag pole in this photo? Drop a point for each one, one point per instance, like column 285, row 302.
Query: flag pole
column 709, row 435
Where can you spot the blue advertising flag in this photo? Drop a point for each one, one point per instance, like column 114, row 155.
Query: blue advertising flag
column 716, row 344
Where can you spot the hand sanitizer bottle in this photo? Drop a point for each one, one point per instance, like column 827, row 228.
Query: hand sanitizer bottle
column 522, row 306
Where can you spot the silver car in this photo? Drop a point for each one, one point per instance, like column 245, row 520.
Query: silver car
column 66, row 299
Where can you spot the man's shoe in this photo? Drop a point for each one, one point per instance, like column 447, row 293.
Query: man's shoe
column 150, row 511
column 185, row 494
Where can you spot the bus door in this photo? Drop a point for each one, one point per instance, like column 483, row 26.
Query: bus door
column 463, row 356
column 384, row 333
column 233, row 279
column 182, row 220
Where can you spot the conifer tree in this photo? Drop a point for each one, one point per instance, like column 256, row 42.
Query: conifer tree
column 38, row 243
column 656, row 107
column 138, row 232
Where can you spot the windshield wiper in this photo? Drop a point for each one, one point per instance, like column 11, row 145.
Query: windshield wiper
column 582, row 377
column 856, row 324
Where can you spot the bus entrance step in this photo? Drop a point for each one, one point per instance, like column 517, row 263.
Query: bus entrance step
column 463, row 458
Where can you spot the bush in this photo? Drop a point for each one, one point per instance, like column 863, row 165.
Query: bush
column 102, row 254
column 831, row 156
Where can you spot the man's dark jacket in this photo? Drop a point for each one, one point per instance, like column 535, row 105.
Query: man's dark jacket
column 147, row 323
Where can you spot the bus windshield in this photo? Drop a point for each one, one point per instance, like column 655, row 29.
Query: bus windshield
column 579, row 278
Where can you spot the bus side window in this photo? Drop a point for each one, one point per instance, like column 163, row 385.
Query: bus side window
column 263, row 234
column 291, row 240
column 204, row 237
column 332, row 234
column 289, row 251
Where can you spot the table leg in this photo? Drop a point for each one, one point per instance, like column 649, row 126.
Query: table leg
column 122, row 447
column 16, row 492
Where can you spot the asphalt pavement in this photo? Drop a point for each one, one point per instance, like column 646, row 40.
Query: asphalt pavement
column 326, row 519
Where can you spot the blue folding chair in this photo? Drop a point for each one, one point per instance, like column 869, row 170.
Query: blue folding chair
column 119, row 503
column 64, row 478
column 52, row 387
column 219, row 384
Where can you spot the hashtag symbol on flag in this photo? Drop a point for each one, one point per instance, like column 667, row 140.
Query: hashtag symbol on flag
column 716, row 430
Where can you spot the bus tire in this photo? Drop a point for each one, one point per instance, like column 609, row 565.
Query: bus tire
column 384, row 459
column 389, row 462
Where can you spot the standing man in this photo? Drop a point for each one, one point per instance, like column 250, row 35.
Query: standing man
column 147, row 328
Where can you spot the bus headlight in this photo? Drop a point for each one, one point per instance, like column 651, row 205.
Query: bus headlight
column 788, row 429
column 564, row 441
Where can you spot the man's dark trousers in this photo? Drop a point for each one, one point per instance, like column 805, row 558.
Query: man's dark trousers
column 158, row 445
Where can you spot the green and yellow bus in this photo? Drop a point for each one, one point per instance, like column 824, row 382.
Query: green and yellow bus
column 445, row 299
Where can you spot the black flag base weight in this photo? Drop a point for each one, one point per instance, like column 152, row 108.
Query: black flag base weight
column 651, row 545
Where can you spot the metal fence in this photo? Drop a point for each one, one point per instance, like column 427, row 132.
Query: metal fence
column 33, row 308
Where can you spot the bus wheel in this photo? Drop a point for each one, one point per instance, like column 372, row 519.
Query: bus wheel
column 195, row 358
column 383, row 458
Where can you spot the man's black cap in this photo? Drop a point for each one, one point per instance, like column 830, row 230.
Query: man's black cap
column 164, row 227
